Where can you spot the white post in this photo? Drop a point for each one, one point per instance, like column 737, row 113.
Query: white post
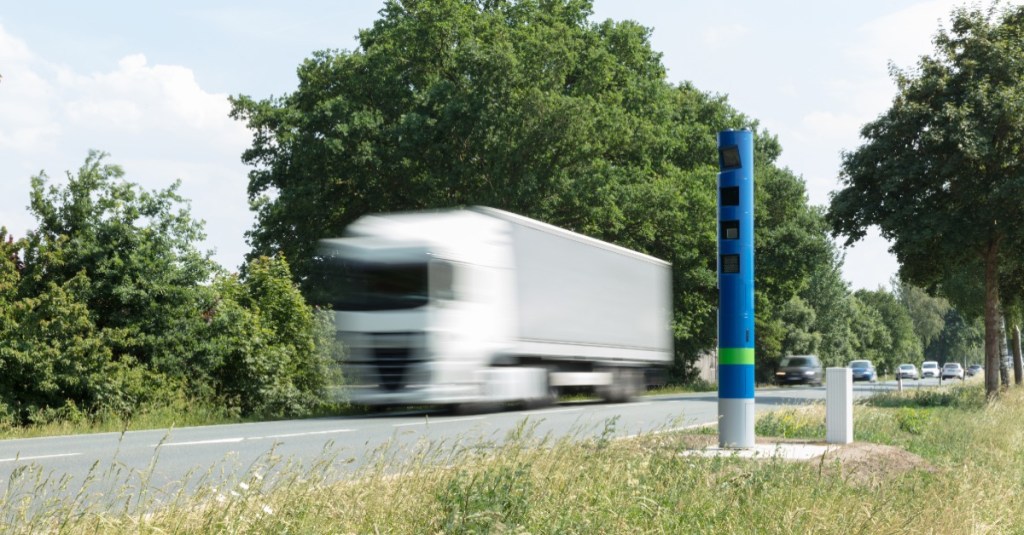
column 838, row 406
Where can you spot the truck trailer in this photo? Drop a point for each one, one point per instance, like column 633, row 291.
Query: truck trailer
column 477, row 306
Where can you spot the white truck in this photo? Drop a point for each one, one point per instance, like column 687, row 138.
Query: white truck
column 478, row 305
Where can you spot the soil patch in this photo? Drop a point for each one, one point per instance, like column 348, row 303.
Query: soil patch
column 870, row 465
column 859, row 463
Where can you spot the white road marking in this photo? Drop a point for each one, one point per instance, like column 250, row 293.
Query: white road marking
column 430, row 422
column 203, row 442
column 550, row 411
column 37, row 457
column 235, row 440
column 307, row 434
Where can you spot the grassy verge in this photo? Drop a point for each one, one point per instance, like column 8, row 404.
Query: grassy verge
column 171, row 413
column 967, row 477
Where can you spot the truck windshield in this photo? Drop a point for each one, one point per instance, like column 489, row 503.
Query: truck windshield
column 347, row 285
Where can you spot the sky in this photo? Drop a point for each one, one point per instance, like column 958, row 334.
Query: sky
column 149, row 84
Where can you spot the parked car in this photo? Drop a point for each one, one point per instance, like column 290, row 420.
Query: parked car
column 929, row 368
column 952, row 370
column 906, row 371
column 800, row 369
column 975, row 369
column 863, row 370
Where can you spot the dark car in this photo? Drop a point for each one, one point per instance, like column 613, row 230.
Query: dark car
column 800, row 370
column 863, row 370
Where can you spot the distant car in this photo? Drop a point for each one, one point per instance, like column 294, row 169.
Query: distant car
column 799, row 369
column 974, row 369
column 906, row 371
column 863, row 370
column 929, row 368
column 952, row 370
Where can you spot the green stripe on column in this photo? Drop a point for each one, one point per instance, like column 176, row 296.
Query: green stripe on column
column 740, row 355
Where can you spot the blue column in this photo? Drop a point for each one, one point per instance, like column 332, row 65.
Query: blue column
column 736, row 289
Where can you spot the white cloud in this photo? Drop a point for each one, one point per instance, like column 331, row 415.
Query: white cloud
column 138, row 97
column 12, row 49
column 156, row 121
column 902, row 36
column 26, row 113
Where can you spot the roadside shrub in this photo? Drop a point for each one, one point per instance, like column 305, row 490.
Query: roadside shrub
column 268, row 354
column 959, row 396
column 911, row 420
column 803, row 422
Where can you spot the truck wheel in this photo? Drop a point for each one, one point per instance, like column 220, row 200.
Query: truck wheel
column 626, row 384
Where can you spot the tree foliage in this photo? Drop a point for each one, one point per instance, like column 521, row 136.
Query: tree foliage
column 108, row 304
column 903, row 345
column 269, row 354
column 959, row 340
column 529, row 107
column 928, row 313
column 940, row 171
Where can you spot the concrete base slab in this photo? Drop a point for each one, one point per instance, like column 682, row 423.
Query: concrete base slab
column 782, row 450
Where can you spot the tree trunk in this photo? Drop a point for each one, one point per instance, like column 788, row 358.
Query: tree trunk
column 992, row 319
column 1004, row 350
column 1018, row 366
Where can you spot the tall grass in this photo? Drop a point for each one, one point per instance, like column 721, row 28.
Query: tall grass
column 974, row 483
column 173, row 412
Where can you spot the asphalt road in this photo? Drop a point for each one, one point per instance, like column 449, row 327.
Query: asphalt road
column 151, row 466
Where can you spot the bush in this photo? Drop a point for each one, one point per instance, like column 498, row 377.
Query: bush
column 804, row 422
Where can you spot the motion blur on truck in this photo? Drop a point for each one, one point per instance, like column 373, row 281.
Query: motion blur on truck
column 479, row 306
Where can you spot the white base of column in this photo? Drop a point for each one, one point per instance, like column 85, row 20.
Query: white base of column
column 736, row 423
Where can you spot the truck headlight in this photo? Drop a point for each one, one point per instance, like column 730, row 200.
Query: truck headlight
column 780, row 374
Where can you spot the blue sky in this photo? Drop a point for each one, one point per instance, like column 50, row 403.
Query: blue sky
column 149, row 85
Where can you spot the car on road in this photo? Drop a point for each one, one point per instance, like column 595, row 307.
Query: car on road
column 952, row 370
column 863, row 370
column 906, row 371
column 799, row 370
column 929, row 368
column 975, row 369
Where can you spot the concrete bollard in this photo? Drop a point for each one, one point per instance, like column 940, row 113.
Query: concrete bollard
column 838, row 406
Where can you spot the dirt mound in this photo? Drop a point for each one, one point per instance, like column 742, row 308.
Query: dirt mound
column 867, row 464
column 859, row 463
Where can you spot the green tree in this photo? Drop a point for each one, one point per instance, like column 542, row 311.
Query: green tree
column 959, row 340
column 928, row 313
column 792, row 242
column 904, row 344
column 529, row 107
column 800, row 338
column 268, row 353
column 941, row 170
column 137, row 249
column 829, row 295
column 870, row 337
column 107, row 304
